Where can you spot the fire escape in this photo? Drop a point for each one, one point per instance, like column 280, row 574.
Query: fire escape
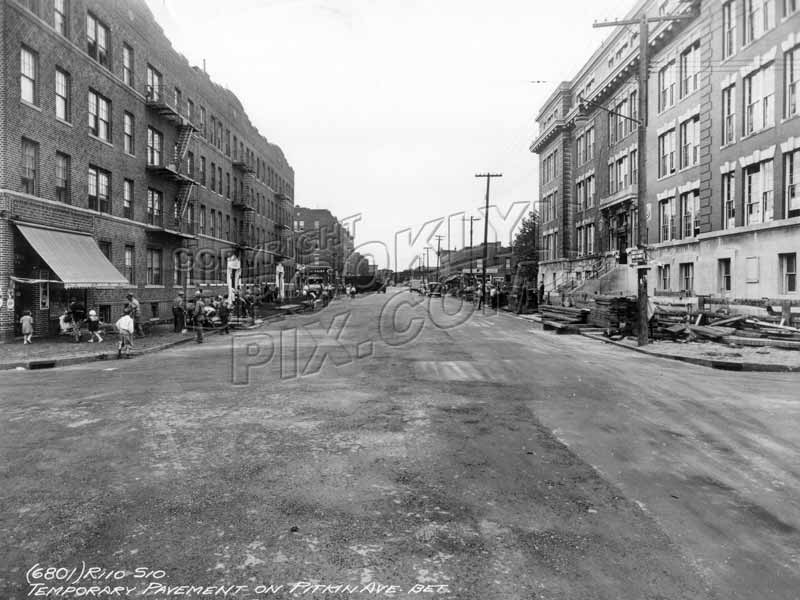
column 243, row 198
column 176, row 170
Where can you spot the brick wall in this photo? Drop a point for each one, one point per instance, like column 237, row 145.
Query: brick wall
column 130, row 22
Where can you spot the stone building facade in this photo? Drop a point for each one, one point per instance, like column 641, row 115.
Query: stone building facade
column 110, row 133
column 722, row 152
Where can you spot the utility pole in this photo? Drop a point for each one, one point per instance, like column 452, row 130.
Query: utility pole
column 438, row 253
column 427, row 263
column 488, row 177
column 644, row 63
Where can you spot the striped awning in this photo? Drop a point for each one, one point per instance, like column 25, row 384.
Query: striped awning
column 75, row 258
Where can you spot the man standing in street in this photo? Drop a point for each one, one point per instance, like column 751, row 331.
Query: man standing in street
column 136, row 313
column 179, row 313
column 199, row 315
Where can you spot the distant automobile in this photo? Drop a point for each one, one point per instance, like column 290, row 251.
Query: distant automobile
column 416, row 285
column 434, row 290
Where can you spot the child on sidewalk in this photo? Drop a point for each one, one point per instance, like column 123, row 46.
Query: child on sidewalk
column 125, row 328
column 27, row 327
column 93, row 325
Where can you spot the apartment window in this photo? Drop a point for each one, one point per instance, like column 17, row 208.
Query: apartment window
column 590, row 191
column 203, row 170
column 99, row 186
column 686, row 273
column 622, row 173
column 127, row 199
column 612, row 180
column 621, row 109
column 666, row 213
column 190, row 164
column 202, row 219
column 590, row 143
column 580, row 239
column 128, row 128
column 791, row 75
column 154, row 88
column 580, row 144
column 228, row 184
column 155, row 144
column 724, row 274
column 61, row 17
column 154, row 258
column 127, row 64
column 791, row 174
column 590, row 239
column 728, row 200
column 612, row 130
column 63, row 184
column 758, row 197
column 219, row 180
column 690, row 142
column 177, row 99
column 664, row 277
column 190, row 109
column 790, row 6
column 759, row 100
column 690, row 209
column 788, row 268
column 130, row 268
column 690, row 69
column 99, row 116
column 227, row 227
column 729, row 115
column 30, row 166
column 155, row 207
column 203, row 121
column 759, row 17
column 97, row 38
column 633, row 108
column 728, row 28
column 227, row 142
column 666, row 86
column 28, row 75
column 212, row 229
column 634, row 161
column 666, row 153
column 63, row 85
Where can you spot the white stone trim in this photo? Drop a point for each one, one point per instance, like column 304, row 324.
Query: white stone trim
column 666, row 194
column 759, row 61
column 666, row 127
column 791, row 41
column 727, row 167
column 757, row 156
column 790, row 145
column 689, row 186
column 692, row 112
column 728, row 80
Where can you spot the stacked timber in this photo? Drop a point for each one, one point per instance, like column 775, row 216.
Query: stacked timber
column 613, row 312
column 563, row 319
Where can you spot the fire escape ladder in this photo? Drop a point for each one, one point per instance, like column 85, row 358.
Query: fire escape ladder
column 182, row 200
column 182, row 144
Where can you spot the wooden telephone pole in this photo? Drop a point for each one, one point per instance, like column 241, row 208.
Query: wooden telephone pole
column 488, row 177
column 644, row 63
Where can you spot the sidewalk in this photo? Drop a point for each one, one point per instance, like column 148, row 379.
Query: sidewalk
column 714, row 355
column 62, row 351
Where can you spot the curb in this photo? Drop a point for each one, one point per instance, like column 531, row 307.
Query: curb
column 66, row 361
column 723, row 365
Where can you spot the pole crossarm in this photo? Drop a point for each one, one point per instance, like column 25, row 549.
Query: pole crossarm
column 681, row 17
column 582, row 100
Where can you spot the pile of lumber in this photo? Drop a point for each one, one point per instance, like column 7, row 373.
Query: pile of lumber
column 680, row 324
column 563, row 319
column 610, row 312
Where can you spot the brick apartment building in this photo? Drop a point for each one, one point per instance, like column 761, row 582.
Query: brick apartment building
column 321, row 241
column 455, row 264
column 123, row 167
column 723, row 145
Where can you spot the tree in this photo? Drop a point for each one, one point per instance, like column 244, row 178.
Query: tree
column 526, row 248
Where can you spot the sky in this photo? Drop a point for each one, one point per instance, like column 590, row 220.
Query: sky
column 386, row 109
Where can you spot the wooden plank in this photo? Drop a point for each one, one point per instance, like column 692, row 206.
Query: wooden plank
column 728, row 320
column 759, row 323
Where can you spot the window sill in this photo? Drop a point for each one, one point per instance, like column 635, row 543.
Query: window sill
column 756, row 133
column 30, row 105
column 63, row 122
column 153, row 286
column 101, row 140
column 665, row 177
column 729, row 145
column 128, row 154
